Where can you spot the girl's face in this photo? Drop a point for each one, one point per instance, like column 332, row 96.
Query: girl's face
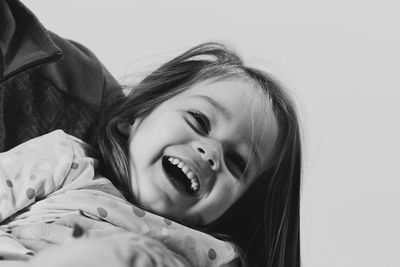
column 198, row 152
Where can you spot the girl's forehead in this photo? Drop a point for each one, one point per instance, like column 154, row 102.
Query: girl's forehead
column 237, row 95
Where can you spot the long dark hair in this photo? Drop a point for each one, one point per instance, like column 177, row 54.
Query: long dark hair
column 264, row 223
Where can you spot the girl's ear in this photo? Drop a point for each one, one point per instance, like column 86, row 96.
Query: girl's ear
column 124, row 128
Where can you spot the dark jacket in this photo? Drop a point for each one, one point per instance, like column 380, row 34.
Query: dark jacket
column 46, row 82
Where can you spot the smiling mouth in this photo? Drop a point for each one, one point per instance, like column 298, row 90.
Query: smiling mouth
column 179, row 178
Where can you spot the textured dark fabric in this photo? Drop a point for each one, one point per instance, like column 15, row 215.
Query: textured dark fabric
column 30, row 106
column 46, row 82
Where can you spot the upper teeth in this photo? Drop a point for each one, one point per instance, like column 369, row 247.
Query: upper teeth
column 187, row 171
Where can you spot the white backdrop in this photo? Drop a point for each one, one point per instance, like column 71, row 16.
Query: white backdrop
column 341, row 61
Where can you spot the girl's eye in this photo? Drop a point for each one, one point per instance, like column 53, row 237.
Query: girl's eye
column 236, row 164
column 201, row 121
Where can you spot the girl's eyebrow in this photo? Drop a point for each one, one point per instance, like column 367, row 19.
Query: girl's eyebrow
column 215, row 104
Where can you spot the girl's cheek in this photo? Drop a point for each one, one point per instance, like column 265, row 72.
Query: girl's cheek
column 181, row 132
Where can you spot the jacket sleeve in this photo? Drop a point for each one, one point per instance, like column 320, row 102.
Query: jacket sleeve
column 80, row 74
column 47, row 82
column 33, row 170
column 27, row 47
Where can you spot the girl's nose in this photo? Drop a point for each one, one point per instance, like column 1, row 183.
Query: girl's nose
column 209, row 153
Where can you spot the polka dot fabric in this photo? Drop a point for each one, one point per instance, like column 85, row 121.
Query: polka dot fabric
column 32, row 170
column 29, row 172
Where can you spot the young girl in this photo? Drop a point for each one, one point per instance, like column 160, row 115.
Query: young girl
column 204, row 141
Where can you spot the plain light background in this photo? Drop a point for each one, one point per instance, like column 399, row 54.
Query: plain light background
column 339, row 59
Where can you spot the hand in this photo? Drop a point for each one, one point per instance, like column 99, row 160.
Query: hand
column 99, row 244
column 117, row 250
column 114, row 250
column 39, row 236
